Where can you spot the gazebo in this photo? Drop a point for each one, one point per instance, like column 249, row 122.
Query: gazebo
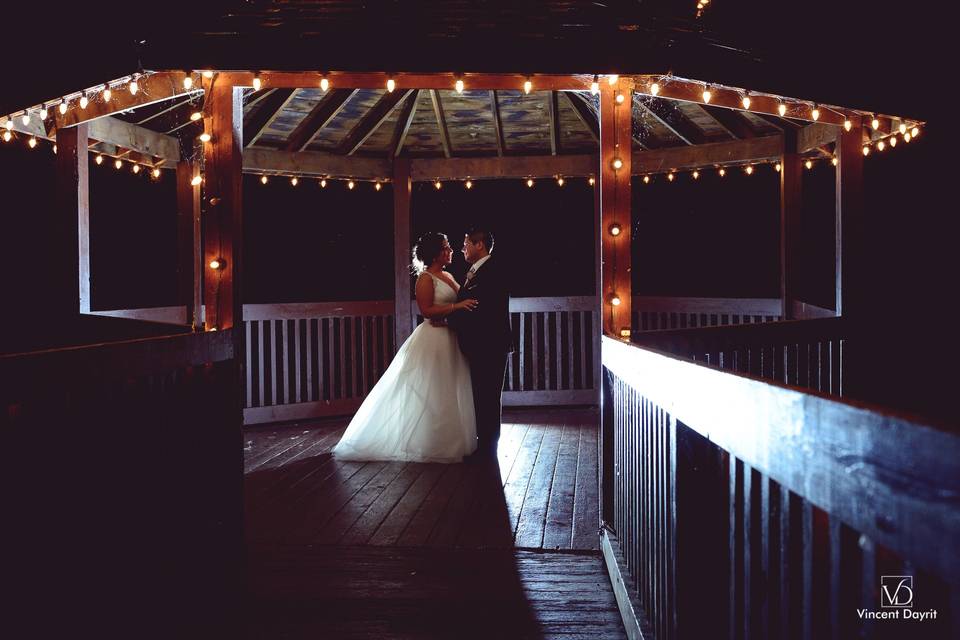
column 725, row 456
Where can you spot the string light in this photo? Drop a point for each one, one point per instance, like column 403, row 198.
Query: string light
column 136, row 168
column 377, row 186
column 44, row 113
column 617, row 163
column 26, row 118
column 560, row 181
column 8, row 124
column 722, row 172
column 612, row 79
column 323, row 183
column 875, row 123
column 646, row 179
column 98, row 159
column 749, row 170
column 815, row 113
column 107, row 94
column 670, row 176
column 619, row 98
column 907, row 137
column 264, row 179
column 615, row 229
column 217, row 263
column 84, row 102
column 866, row 151
column 188, row 82
column 208, row 74
column 205, row 137
column 706, row 95
column 437, row 185
column 197, row 179
column 7, row 136
column 391, row 84
column 808, row 164
column 695, row 174
column 256, row 82
column 156, row 173
column 834, row 161
column 458, row 85
column 32, row 142
column 591, row 181
column 893, row 142
column 196, row 115
column 118, row 163
column 324, row 83
column 294, row 181
column 595, row 86
column 468, row 184
column 529, row 182
column 527, row 86
column 745, row 102
column 134, row 87
column 654, row 89
column 903, row 128
column 63, row 107
column 777, row 167
column 847, row 124
column 782, row 109
column 615, row 300
column 881, row 146
column 915, row 132
column 351, row 184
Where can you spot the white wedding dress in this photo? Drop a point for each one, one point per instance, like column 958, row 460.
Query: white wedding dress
column 421, row 409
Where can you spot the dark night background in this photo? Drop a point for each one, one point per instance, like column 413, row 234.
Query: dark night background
column 715, row 237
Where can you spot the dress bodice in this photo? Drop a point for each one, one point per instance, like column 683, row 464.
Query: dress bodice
column 443, row 293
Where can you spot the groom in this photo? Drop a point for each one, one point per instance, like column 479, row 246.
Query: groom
column 484, row 334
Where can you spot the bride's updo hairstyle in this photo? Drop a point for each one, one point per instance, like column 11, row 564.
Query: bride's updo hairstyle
column 428, row 247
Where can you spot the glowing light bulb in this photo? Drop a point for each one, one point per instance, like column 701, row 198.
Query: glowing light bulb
column 324, row 83
column 646, row 179
column 915, row 132
column 63, row 107
column 391, row 84
column 875, row 123
column 612, row 79
column 134, row 87
column 197, row 179
column 458, row 85
column 118, row 163
column 866, row 151
column 903, row 128
column 294, row 181
column 8, row 124
column 257, row 83
column 782, row 109
column 746, row 102
column 208, row 74
column 136, row 168
column 204, row 137
column 834, row 161
column 98, row 159
column 617, row 163
column 815, row 114
column 437, row 185
column 84, row 102
column 707, row 95
column 670, row 176
column 44, row 113
column 263, row 179
column 468, row 184
column 654, row 89
column 560, row 181
column 591, row 181
column 156, row 173
column 619, row 98
column 695, row 174
column 529, row 182
column 7, row 136
column 25, row 119
column 615, row 229
column 749, row 170
column 594, row 86
column 615, row 300
column 881, row 145
column 808, row 164
column 187, row 82
column 377, row 186
column 323, row 183
column 893, row 142
column 107, row 94
column 907, row 137
column 847, row 124
column 722, row 172
column 527, row 86
column 32, row 143
column 196, row 115
column 777, row 167
column 351, row 184
column 215, row 264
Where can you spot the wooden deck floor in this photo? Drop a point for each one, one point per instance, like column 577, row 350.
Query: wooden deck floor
column 403, row 550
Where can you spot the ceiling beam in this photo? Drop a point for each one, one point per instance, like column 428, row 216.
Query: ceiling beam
column 759, row 149
column 782, row 124
column 378, row 80
column 407, row 112
column 497, row 124
column 319, row 117
column 553, row 108
column 441, row 121
column 258, row 160
column 814, row 136
column 371, row 121
column 670, row 116
column 733, row 122
column 506, row 167
column 586, row 114
column 265, row 114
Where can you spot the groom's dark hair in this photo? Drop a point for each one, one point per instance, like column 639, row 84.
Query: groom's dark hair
column 476, row 234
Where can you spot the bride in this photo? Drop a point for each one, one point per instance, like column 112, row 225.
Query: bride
column 421, row 409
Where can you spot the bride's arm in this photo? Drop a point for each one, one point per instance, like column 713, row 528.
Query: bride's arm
column 432, row 311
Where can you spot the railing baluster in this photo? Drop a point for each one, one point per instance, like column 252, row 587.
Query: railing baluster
column 806, row 590
column 735, row 502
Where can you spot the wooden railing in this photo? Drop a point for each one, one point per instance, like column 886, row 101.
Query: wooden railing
column 741, row 508
column 122, row 480
column 657, row 313
column 800, row 353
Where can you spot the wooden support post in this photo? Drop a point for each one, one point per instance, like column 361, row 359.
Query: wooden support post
column 189, row 250
column 615, row 147
column 791, row 176
column 403, row 321
column 849, row 221
column 70, row 286
column 223, row 214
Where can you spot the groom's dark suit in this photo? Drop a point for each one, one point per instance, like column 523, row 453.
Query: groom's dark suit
column 485, row 338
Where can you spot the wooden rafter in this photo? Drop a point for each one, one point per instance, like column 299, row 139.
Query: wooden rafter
column 136, row 138
column 153, row 87
column 371, row 121
column 497, row 125
column 732, row 121
column 816, row 136
column 673, row 119
column 265, row 114
column 320, row 116
column 759, row 149
column 173, row 107
column 586, row 114
column 783, row 124
column 553, row 109
column 407, row 112
column 441, row 121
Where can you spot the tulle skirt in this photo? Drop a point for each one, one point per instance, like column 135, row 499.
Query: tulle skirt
column 421, row 409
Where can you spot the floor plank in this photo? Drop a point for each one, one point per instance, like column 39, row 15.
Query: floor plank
column 558, row 530
column 533, row 514
column 586, row 514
